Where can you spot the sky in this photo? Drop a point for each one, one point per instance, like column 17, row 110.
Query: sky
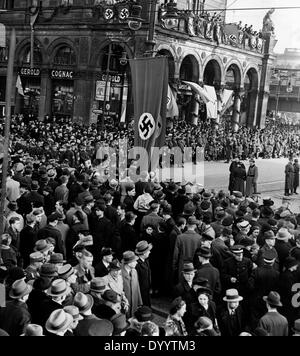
column 287, row 24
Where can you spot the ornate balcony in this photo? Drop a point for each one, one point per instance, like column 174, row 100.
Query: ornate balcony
column 212, row 29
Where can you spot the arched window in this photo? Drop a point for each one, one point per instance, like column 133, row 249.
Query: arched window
column 37, row 56
column 65, row 56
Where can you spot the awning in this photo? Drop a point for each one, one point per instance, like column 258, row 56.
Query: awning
column 212, row 105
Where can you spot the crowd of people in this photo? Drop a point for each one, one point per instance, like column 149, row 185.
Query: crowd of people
column 85, row 256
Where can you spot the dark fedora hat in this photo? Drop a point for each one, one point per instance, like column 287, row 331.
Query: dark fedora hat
column 129, row 256
column 142, row 247
column 290, row 262
column 114, row 266
column 143, row 313
column 273, row 299
column 110, row 296
column 19, row 289
column 188, row 267
column 120, row 323
column 48, row 270
column 106, row 251
column 99, row 327
column 204, row 252
column 57, row 258
column 42, row 246
column 268, row 202
column 83, row 302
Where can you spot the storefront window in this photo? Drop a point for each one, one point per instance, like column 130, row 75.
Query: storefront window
column 63, row 94
column 32, row 94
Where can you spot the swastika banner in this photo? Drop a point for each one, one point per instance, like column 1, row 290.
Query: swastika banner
column 150, row 89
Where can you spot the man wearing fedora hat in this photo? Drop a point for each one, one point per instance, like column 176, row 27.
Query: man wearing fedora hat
column 15, row 316
column 74, row 312
column 186, row 246
column 143, row 250
column 58, row 322
column 84, row 270
column 33, row 330
column 273, row 322
column 231, row 319
column 50, row 230
column 263, row 279
column 283, row 246
column 102, row 268
column 36, row 262
column 206, row 270
column 131, row 281
column 184, row 288
column 57, row 293
column 84, row 302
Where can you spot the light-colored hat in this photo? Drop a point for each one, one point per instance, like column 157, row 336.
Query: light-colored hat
column 283, row 234
column 232, row 295
column 58, row 321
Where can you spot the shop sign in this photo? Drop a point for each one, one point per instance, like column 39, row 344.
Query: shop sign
column 62, row 74
column 30, row 72
column 112, row 78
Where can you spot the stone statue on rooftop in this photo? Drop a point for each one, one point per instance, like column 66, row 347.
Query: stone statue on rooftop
column 268, row 24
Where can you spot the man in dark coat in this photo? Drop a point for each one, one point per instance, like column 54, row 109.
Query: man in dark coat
column 283, row 246
column 231, row 319
column 287, row 280
column 28, row 238
column 33, row 196
column 101, row 229
column 237, row 271
column 239, row 177
column 207, row 271
column 170, row 276
column 102, row 268
column 129, row 237
column 296, row 175
column 263, row 280
column 289, row 178
column 50, row 231
column 15, row 316
column 143, row 250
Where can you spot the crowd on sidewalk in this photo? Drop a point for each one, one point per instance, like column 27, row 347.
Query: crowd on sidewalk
column 85, row 256
column 48, row 139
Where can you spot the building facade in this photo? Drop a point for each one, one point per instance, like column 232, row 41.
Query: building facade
column 81, row 51
column 284, row 102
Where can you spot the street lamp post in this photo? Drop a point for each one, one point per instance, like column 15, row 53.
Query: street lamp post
column 106, row 86
column 277, row 96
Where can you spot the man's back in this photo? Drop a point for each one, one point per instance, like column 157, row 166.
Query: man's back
column 275, row 324
column 14, row 317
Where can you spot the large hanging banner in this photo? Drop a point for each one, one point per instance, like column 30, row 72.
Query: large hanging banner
column 150, row 89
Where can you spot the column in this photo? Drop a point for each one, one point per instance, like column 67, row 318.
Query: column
column 45, row 97
column 82, row 100
column 253, row 100
column 236, row 109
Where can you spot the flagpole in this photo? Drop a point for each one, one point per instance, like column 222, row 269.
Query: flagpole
column 31, row 46
column 9, row 86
